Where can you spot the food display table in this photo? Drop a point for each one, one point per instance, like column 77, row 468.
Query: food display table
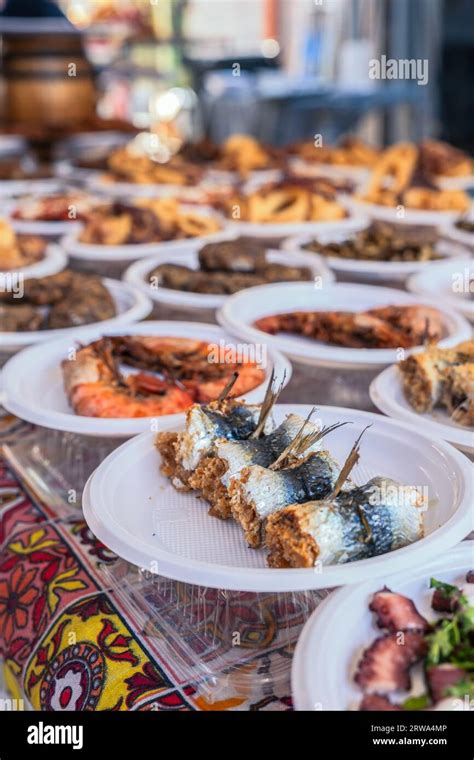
column 82, row 630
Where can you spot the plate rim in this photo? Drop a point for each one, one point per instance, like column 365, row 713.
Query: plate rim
column 414, row 285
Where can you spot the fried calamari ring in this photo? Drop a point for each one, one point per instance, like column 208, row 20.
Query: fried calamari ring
column 397, row 163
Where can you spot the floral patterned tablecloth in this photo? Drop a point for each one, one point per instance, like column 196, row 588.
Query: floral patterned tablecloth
column 69, row 641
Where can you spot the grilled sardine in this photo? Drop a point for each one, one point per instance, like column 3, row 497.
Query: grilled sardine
column 368, row 520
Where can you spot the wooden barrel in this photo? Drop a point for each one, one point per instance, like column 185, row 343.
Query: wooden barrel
column 48, row 80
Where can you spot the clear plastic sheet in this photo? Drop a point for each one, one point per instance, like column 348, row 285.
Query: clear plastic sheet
column 223, row 640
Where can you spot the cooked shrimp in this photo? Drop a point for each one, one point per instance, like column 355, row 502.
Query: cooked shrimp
column 385, row 327
column 96, row 386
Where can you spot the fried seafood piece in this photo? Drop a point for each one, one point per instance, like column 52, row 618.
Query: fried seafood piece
column 233, row 256
column 244, row 154
column 465, row 351
column 73, row 298
column 18, row 251
column 415, row 324
column 396, row 167
column 178, row 277
column 362, row 522
column 440, row 376
column 381, row 241
column 214, row 474
column 441, row 159
column 423, row 378
column 436, row 200
column 396, row 612
column 401, row 177
column 458, row 393
column 287, row 201
column 87, row 301
column 121, row 224
column 174, row 223
column 283, row 273
column 46, row 291
column 174, row 276
column 146, row 221
column 129, row 165
column 182, row 452
column 20, row 318
column 351, row 151
column 385, row 665
column 386, row 327
column 258, row 492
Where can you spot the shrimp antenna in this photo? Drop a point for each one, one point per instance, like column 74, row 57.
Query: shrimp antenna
column 269, row 401
column 348, row 465
column 227, row 388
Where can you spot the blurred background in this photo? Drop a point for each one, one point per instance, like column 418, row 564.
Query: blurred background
column 281, row 70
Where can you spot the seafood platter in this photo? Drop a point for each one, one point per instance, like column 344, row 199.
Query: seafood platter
column 432, row 389
column 28, row 255
column 51, row 215
column 381, row 250
column 191, row 442
column 64, row 304
column 430, row 605
column 313, row 325
column 120, row 231
column 404, row 185
column 207, row 274
column 126, row 380
column 286, row 512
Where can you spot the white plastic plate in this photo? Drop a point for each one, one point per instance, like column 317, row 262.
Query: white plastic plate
column 285, row 229
column 11, row 187
column 138, row 273
column 136, row 512
column 48, row 229
column 462, row 237
column 387, row 395
column 326, row 656
column 45, row 403
column 410, row 215
column 132, row 305
column 117, row 253
column 456, row 183
column 357, row 174
column 53, row 262
column 449, row 281
column 241, row 310
column 98, row 182
column 372, row 270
